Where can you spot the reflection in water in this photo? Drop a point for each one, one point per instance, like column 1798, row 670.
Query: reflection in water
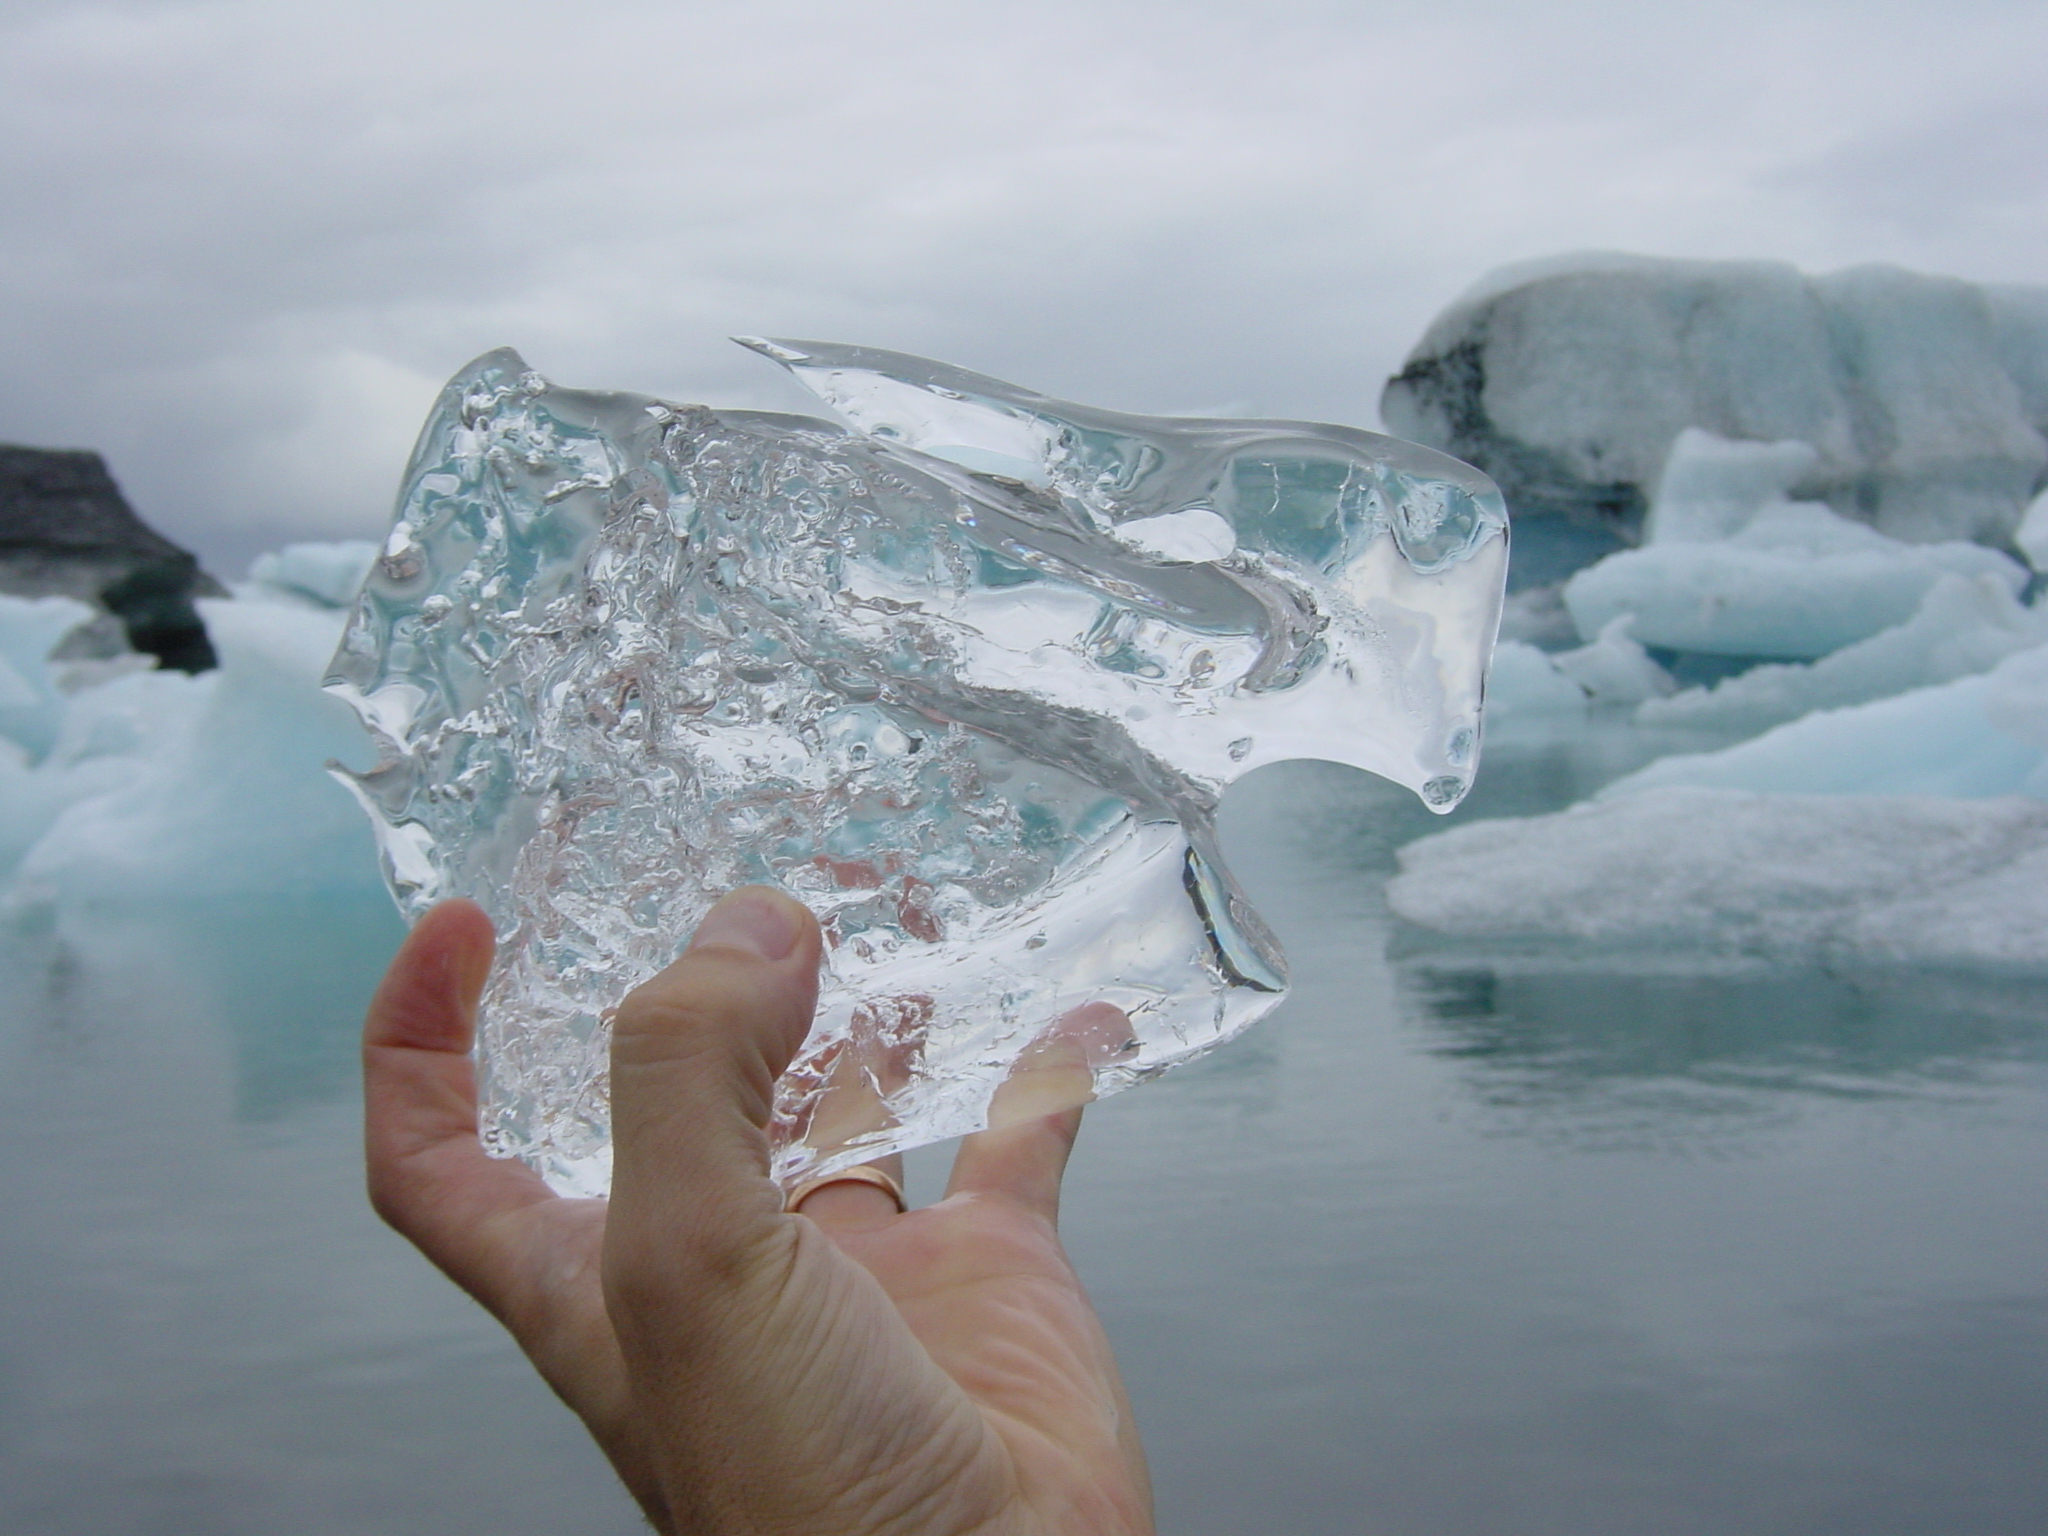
column 202, row 1327
column 291, row 1002
column 284, row 979
column 1527, row 1032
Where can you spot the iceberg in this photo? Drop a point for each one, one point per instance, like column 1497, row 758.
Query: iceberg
column 31, row 696
column 1911, row 828
column 1733, row 567
column 1924, row 398
column 1978, row 736
column 221, row 790
column 1904, row 879
column 1964, row 625
column 1525, row 682
column 1817, row 485
column 158, row 785
column 315, row 575
column 1613, row 671
column 1614, row 668
column 967, row 678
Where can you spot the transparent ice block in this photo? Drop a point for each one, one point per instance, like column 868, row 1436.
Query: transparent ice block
column 966, row 675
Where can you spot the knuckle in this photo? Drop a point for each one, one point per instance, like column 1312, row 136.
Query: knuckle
column 692, row 998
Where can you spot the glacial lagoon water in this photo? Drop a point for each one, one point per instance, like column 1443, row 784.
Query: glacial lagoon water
column 1453, row 1243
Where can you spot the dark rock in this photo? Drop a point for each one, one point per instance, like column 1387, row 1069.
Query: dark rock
column 66, row 529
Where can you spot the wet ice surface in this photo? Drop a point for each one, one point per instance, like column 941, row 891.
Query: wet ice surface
column 1450, row 1244
column 968, row 679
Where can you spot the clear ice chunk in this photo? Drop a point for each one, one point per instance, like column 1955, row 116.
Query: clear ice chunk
column 968, row 679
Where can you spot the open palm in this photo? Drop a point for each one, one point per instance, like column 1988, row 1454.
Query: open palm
column 848, row 1369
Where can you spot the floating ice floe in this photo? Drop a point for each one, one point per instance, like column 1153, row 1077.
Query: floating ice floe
column 1913, row 827
column 1734, row 567
column 1964, row 625
column 1526, row 682
column 1977, row 736
column 1900, row 878
column 1611, row 671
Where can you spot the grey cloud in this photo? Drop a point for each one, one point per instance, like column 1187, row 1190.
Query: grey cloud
column 1973, row 166
column 247, row 240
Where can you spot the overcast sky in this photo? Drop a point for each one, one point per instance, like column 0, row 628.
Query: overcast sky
column 245, row 241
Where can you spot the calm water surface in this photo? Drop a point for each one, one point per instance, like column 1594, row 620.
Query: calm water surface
column 1458, row 1245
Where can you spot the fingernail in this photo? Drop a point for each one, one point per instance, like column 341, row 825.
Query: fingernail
column 754, row 918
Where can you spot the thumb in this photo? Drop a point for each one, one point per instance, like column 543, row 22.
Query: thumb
column 695, row 1055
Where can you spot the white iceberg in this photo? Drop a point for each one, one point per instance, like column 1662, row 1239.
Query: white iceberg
column 1567, row 380
column 1525, row 681
column 31, row 697
column 327, row 575
column 1614, row 668
column 1916, row 879
column 1911, row 828
column 1611, row 671
column 1712, row 487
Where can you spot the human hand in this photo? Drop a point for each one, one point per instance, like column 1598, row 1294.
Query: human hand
column 845, row 1371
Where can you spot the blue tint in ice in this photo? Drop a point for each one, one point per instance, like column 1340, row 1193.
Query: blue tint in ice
column 31, row 702
column 1963, row 626
column 1981, row 735
column 1733, row 566
column 158, row 786
column 967, row 679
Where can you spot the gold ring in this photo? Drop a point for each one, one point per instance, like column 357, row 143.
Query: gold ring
column 862, row 1173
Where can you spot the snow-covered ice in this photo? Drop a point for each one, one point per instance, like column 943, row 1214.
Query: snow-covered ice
column 1899, row 878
